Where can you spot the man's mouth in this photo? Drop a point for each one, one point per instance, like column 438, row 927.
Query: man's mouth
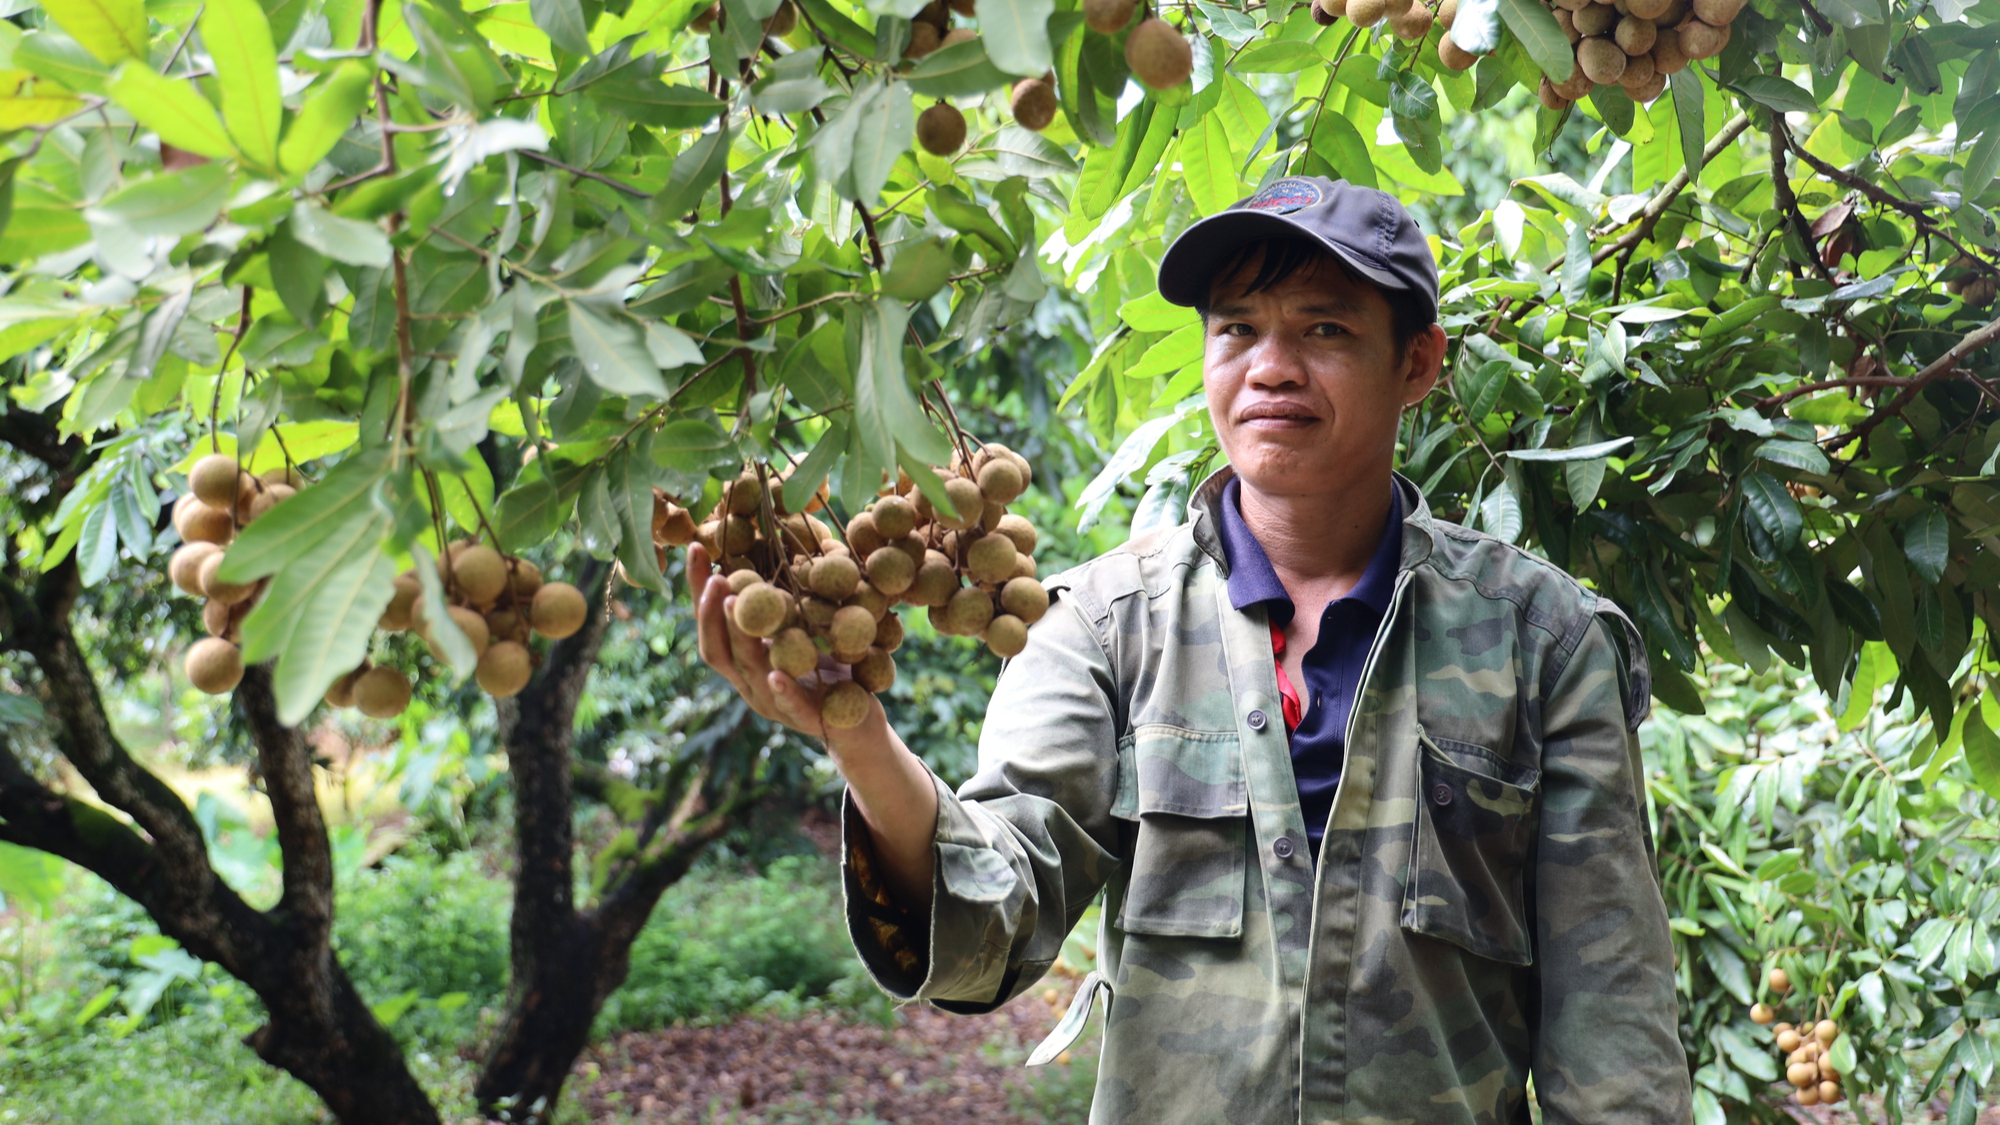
column 1277, row 415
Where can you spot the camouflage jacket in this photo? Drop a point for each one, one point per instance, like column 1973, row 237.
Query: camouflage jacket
column 1486, row 908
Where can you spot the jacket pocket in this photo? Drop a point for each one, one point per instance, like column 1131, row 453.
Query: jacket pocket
column 1475, row 823
column 1187, row 872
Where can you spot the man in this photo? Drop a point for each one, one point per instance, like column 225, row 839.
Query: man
column 1360, row 786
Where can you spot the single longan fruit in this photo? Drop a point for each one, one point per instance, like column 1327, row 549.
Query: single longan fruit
column 1566, row 20
column 1367, row 13
column 1576, row 85
column 844, row 705
column 1716, row 13
column 783, row 20
column 504, row 669
column 891, row 571
column 990, row 559
column 1809, row 1095
column 852, row 629
column 289, row 476
column 185, row 566
column 834, row 577
column 1779, row 981
column 894, row 518
column 213, row 665
column 966, row 8
column 1000, row 481
column 523, row 579
column 863, row 538
column 1007, row 635
column 1653, row 87
column 793, row 653
column 1829, row 1092
column 1033, row 103
column 1454, row 56
column 761, row 610
column 969, row 504
column 1802, row 1074
column 1826, row 1031
column 889, row 633
column 941, row 129
column 1108, row 17
column 271, row 496
column 1323, row 17
column 1668, row 57
column 204, row 524
column 1601, row 59
column 221, row 620
column 704, row 20
column 969, row 611
column 1158, row 56
column 216, row 480
column 874, row 601
column 738, row 535
column 1701, row 40
column 678, row 528
column 924, row 39
column 1595, row 19
column 1636, row 36
column 340, row 693
column 1024, row 566
column 742, row 579
column 936, row 14
column 1762, row 1013
column 1398, row 8
column 507, row 624
column 228, row 593
column 1547, row 93
column 1647, row 9
column 936, row 581
column 558, row 610
column 471, row 624
column 743, row 496
column 480, row 574
column 382, row 693
column 1638, row 73
column 875, row 672
column 1788, row 1041
column 1447, row 13
column 1334, row 8
column 1024, row 598
column 1413, row 24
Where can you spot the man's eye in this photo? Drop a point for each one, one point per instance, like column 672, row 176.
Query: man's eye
column 1238, row 329
column 1328, row 330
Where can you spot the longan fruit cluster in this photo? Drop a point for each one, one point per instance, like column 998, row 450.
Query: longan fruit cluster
column 813, row 595
column 222, row 498
column 1408, row 19
column 498, row 602
column 1805, row 1046
column 1978, row 289
column 1636, row 44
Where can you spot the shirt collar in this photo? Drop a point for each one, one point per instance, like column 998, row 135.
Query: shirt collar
column 1252, row 579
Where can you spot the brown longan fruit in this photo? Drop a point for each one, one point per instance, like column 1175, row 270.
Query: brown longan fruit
column 761, row 610
column 1826, row 1031
column 1668, row 57
column 990, row 559
column 874, row 601
column 201, row 523
column 558, row 610
column 894, row 517
column 913, row 546
column 1024, row 566
column 1635, row 36
column 1829, row 1092
column 471, row 624
column 783, row 20
column 1802, row 1074
column 742, row 579
column 924, row 39
column 217, row 617
column 1601, row 59
column 742, row 496
column 936, row 581
column 1157, row 54
column 1715, row 13
column 504, row 669
column 1546, row 91
column 852, row 629
column 1413, row 24
column 1566, row 20
column 875, row 672
column 834, row 577
column 678, row 528
column 1000, row 481
column 1595, row 19
column 216, row 480
column 184, row 568
column 507, row 624
column 479, row 574
column 1020, row 531
column 1006, row 635
column 1334, row 8
column 844, row 705
column 340, row 693
column 1024, row 598
column 1454, row 56
column 863, row 538
column 969, row 611
column 1762, row 1013
column 1033, row 103
column 1323, row 17
column 704, row 20
column 1647, row 9
column 287, row 475
column 382, row 693
column 1367, row 13
column 1576, row 85
column 793, row 653
column 1788, row 1041
column 889, row 633
column 213, row 665
column 967, row 502
column 1809, row 1095
column 212, row 585
column 1108, row 17
column 1779, row 981
column 1654, row 85
column 890, row 570
column 1703, row 41
column 941, row 129
column 1447, row 13
column 1638, row 73
column 270, row 496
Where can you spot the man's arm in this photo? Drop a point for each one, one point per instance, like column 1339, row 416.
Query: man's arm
column 1607, row 1044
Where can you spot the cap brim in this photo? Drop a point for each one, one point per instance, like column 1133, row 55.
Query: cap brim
column 1189, row 267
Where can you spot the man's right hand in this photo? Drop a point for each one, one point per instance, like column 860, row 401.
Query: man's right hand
column 891, row 787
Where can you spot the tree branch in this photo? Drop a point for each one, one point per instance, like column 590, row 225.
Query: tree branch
column 1788, row 203
column 1943, row 365
column 306, row 904
column 1875, row 192
column 1649, row 216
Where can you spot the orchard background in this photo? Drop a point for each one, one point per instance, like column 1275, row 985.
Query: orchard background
column 1720, row 283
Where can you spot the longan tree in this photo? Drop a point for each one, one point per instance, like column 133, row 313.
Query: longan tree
column 356, row 318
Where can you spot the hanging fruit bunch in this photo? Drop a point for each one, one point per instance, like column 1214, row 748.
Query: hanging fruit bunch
column 1807, row 1048
column 221, row 499
column 814, row 595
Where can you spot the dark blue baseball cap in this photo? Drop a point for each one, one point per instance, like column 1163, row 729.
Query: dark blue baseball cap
column 1368, row 230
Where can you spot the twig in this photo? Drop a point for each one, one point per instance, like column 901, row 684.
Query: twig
column 1833, row 384
column 874, row 242
column 1781, row 183
column 1942, row 365
column 1819, row 22
column 1910, row 207
column 222, row 371
column 587, row 174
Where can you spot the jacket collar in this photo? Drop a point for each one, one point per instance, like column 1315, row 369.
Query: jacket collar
column 1205, row 512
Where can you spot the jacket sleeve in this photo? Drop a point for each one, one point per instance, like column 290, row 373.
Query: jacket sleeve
column 1022, row 848
column 1607, row 1043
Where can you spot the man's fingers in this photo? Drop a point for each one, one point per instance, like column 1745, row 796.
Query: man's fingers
column 752, row 661
column 712, row 630
column 698, row 569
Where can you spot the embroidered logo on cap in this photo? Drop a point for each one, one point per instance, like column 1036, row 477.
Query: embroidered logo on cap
column 1285, row 196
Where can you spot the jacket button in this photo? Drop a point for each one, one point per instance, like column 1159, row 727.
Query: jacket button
column 1282, row 848
column 1441, row 794
column 1257, row 720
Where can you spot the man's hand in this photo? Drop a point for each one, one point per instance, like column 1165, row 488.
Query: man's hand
column 891, row 787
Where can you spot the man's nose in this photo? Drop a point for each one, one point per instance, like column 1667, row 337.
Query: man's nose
column 1276, row 362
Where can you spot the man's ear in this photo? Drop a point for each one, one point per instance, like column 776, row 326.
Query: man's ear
column 1425, row 359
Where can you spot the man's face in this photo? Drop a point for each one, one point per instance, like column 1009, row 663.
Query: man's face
column 1305, row 382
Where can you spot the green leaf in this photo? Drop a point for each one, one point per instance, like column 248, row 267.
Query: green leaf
column 174, row 110
column 1982, row 749
column 1927, row 544
column 50, row 54
column 562, row 21
column 1016, row 35
column 1538, row 31
column 110, row 29
column 648, row 101
column 1981, row 165
column 238, row 37
column 957, row 71
column 1413, row 107
column 530, row 513
column 630, row 480
column 1336, row 141
column 327, row 114
column 1589, row 452
column 1476, row 28
column 451, row 640
column 344, row 240
column 1773, row 508
column 613, row 353
column 1801, row 455
column 293, row 528
column 919, row 269
column 171, row 204
column 886, row 122
column 1209, row 166
column 1776, row 93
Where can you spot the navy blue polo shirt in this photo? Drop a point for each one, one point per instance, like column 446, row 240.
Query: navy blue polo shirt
column 1318, row 726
